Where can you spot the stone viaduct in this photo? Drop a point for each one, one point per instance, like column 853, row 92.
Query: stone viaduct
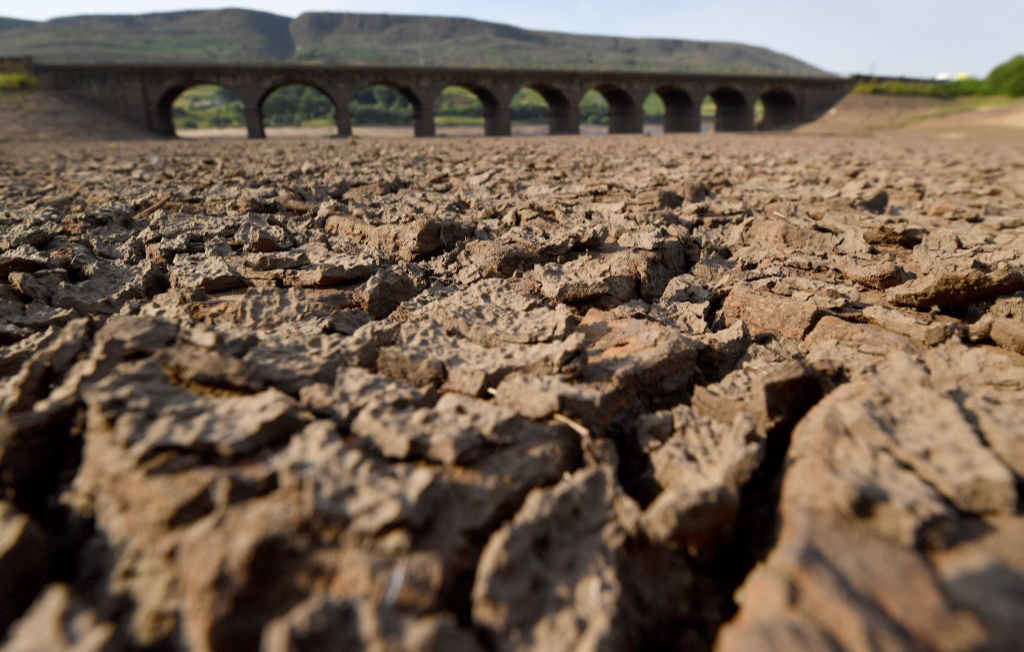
column 144, row 93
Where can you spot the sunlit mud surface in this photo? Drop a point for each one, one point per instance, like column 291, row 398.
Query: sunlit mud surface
column 616, row 393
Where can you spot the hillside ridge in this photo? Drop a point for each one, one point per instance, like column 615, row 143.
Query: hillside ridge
column 245, row 36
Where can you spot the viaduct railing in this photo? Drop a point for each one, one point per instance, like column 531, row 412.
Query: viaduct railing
column 144, row 93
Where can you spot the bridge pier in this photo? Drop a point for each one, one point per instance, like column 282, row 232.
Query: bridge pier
column 160, row 122
column 564, row 120
column 423, row 121
column 625, row 112
column 343, row 120
column 625, row 120
column 252, row 100
column 254, row 122
column 734, row 111
column 780, row 110
column 682, row 112
column 563, row 110
column 498, row 119
column 340, row 95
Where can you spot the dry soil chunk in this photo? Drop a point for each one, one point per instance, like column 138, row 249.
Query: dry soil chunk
column 322, row 625
column 926, row 430
column 830, row 586
column 561, row 575
column 492, row 312
column 606, row 280
column 701, row 466
column 764, row 313
column 948, row 286
column 426, row 354
column 59, row 622
column 836, row 472
column 150, row 414
column 24, row 561
column 455, row 431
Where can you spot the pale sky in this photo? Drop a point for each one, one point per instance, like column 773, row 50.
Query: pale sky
column 916, row 38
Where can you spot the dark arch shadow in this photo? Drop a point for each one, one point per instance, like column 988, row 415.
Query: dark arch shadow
column 163, row 120
column 733, row 113
column 780, row 110
column 624, row 116
column 367, row 108
column 494, row 122
column 560, row 114
column 280, row 101
column 682, row 114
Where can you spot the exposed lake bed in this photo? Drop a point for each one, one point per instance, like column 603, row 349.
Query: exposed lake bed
column 757, row 391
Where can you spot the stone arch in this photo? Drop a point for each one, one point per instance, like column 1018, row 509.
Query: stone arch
column 422, row 114
column 780, row 109
column 162, row 117
column 681, row 112
column 496, row 116
column 733, row 112
column 625, row 116
column 279, row 84
column 563, row 117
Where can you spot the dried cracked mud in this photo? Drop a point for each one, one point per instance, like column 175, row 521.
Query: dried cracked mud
column 624, row 393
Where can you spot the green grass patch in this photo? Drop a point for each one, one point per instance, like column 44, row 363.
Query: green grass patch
column 10, row 81
column 459, row 120
column 950, row 89
column 207, row 107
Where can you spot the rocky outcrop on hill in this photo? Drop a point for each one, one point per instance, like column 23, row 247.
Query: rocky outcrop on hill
column 591, row 394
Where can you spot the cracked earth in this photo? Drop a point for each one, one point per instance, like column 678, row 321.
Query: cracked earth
column 708, row 393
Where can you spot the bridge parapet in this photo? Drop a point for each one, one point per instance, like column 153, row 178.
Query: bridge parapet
column 144, row 94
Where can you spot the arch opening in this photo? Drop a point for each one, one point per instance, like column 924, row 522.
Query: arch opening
column 466, row 110
column 384, row 110
column 529, row 113
column 200, row 110
column 732, row 111
column 654, row 114
column 612, row 106
column 780, row 110
column 538, row 104
column 679, row 113
column 594, row 111
column 298, row 110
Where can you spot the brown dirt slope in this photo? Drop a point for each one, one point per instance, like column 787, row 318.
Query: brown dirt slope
column 869, row 114
column 35, row 116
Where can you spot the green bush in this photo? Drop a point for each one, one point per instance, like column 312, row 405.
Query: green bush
column 15, row 80
column 959, row 88
column 1008, row 78
column 297, row 105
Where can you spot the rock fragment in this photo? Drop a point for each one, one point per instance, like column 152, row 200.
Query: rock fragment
column 24, row 562
column 60, row 622
column 149, row 414
column 762, row 313
column 949, row 287
column 582, row 591
column 320, row 625
column 456, row 430
column 701, row 466
column 828, row 585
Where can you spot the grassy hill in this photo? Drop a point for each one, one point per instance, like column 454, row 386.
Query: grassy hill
column 242, row 36
column 12, row 23
column 228, row 35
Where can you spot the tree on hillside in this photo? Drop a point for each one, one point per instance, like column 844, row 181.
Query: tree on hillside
column 1008, row 78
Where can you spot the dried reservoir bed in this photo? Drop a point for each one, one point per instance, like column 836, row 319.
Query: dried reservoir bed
column 622, row 393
